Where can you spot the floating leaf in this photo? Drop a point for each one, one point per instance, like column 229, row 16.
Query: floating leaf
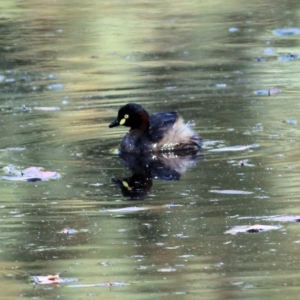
column 32, row 174
column 51, row 279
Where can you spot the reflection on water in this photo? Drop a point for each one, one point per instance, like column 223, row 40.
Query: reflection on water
column 230, row 70
column 144, row 168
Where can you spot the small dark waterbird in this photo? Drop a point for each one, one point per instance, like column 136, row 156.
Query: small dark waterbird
column 159, row 132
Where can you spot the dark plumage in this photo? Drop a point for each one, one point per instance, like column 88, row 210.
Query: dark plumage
column 160, row 132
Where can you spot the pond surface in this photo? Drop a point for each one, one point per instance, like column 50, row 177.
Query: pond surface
column 230, row 69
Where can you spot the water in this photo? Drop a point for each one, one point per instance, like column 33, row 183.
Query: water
column 230, row 70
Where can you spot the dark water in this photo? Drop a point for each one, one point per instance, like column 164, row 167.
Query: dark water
column 231, row 70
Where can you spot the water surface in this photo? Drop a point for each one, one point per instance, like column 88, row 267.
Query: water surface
column 232, row 73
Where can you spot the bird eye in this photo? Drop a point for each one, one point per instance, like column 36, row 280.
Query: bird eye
column 126, row 116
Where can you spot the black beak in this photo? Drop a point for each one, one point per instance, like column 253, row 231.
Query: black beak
column 114, row 123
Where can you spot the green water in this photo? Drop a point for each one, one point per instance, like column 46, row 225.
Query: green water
column 66, row 68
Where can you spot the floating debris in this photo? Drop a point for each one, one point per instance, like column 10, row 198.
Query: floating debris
column 291, row 121
column 104, row 284
column 287, row 31
column 23, row 108
column 244, row 163
column 57, row 86
column 284, row 218
column 31, row 174
column 251, row 229
column 233, row 29
column 167, row 270
column 288, row 57
column 270, row 92
column 12, row 149
column 231, row 192
column 96, row 184
column 261, row 92
column 69, row 231
column 73, row 231
column 260, row 59
column 127, row 209
column 47, row 108
column 51, row 279
column 234, row 148
column 269, row 51
column 221, row 85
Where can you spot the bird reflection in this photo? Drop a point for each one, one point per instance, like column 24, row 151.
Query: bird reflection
column 146, row 167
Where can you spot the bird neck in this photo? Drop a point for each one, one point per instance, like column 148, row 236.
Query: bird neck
column 144, row 121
